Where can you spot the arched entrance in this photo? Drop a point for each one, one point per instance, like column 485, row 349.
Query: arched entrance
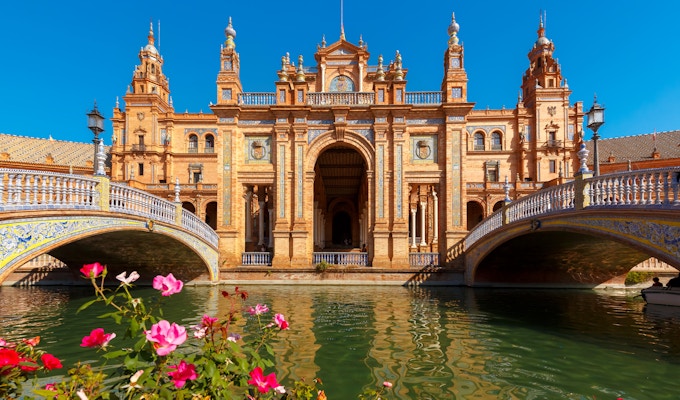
column 341, row 199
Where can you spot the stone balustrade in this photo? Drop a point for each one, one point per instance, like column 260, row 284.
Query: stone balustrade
column 342, row 259
column 644, row 188
column 27, row 190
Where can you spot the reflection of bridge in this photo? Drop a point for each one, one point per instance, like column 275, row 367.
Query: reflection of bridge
column 587, row 232
column 81, row 220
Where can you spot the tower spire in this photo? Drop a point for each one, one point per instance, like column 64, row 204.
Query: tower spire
column 342, row 22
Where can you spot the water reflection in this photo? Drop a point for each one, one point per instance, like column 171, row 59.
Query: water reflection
column 432, row 343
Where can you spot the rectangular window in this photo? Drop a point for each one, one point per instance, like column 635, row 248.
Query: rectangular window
column 456, row 92
column 140, row 169
column 282, row 96
column 226, row 94
column 571, row 132
column 553, row 166
column 399, row 95
column 197, row 177
column 300, row 96
column 381, row 95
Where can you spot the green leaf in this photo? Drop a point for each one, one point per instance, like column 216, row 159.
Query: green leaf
column 114, row 354
column 86, row 305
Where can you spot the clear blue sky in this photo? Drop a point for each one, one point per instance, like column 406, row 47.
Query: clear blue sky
column 58, row 57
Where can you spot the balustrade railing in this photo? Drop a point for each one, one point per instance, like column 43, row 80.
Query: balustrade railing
column 38, row 190
column 257, row 99
column 340, row 98
column 423, row 97
column 658, row 188
column 423, row 259
column 253, row 258
column 342, row 259
column 25, row 189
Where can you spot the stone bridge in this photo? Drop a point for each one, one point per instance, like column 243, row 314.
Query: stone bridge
column 585, row 233
column 81, row 220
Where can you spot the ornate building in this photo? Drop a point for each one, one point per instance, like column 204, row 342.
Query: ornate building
column 341, row 155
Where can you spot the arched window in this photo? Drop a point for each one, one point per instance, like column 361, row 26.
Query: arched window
column 496, row 141
column 341, row 83
column 193, row 143
column 209, row 143
column 479, row 141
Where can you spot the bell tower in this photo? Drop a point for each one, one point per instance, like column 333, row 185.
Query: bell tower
column 228, row 80
column 454, row 86
column 142, row 130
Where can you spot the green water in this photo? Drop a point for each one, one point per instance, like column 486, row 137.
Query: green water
column 432, row 343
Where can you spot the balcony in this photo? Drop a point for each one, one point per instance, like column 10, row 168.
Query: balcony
column 340, row 98
column 138, row 147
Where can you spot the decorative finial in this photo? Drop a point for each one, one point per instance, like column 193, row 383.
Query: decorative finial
column 380, row 72
column 177, row 189
column 506, row 187
column 342, row 22
column 300, row 76
column 454, row 28
column 323, row 41
column 583, row 158
column 117, row 103
column 230, row 32
column 151, row 38
column 399, row 74
column 361, row 40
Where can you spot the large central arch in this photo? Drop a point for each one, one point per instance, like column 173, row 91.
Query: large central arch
column 342, row 190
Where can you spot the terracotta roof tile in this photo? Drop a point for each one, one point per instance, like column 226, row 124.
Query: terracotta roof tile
column 636, row 148
column 35, row 150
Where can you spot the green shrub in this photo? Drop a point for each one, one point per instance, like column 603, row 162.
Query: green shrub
column 636, row 277
column 322, row 266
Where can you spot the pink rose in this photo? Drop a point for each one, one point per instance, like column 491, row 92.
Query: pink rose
column 8, row 357
column 93, row 270
column 281, row 321
column 263, row 383
column 181, row 373
column 387, row 384
column 97, row 338
column 168, row 285
column 166, row 337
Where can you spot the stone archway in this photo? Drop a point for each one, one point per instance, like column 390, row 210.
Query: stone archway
column 475, row 214
column 341, row 198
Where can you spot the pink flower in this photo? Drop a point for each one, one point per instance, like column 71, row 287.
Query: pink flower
column 127, row 281
column 259, row 309
column 387, row 384
column 97, row 338
column 168, row 285
column 281, row 321
column 28, row 364
column 234, row 337
column 182, row 373
column 50, row 362
column 263, row 383
column 93, row 270
column 208, row 321
column 51, row 386
column 166, row 337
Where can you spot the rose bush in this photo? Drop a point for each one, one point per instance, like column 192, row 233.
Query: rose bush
column 159, row 359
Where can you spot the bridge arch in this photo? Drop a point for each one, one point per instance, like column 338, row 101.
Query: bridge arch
column 583, row 248
column 122, row 242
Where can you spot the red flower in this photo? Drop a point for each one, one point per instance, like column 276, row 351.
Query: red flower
column 28, row 364
column 50, row 362
column 93, row 270
column 97, row 338
column 8, row 358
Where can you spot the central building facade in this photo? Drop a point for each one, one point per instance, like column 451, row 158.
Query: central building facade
column 341, row 158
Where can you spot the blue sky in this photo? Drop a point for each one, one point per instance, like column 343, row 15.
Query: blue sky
column 59, row 57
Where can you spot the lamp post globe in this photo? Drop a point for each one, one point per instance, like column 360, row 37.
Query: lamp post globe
column 95, row 121
column 595, row 118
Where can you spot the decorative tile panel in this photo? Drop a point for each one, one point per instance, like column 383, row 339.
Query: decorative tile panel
column 256, row 122
column 424, row 149
column 258, row 149
column 425, row 121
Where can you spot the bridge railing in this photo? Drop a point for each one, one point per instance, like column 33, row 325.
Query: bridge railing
column 25, row 189
column 128, row 200
column 190, row 221
column 646, row 188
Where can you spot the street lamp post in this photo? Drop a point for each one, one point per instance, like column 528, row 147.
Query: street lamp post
column 595, row 120
column 95, row 121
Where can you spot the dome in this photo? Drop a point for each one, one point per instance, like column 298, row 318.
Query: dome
column 542, row 41
column 453, row 27
column 151, row 48
column 229, row 30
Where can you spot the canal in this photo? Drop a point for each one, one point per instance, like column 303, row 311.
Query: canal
column 431, row 343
